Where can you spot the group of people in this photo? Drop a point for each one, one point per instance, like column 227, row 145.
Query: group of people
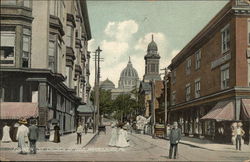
column 54, row 135
column 26, row 136
column 119, row 135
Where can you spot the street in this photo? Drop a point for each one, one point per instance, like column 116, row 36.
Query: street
column 142, row 148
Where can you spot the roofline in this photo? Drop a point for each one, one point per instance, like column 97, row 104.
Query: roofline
column 210, row 25
column 86, row 18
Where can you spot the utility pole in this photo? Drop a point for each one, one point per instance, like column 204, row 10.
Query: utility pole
column 166, row 99
column 153, row 107
column 97, row 60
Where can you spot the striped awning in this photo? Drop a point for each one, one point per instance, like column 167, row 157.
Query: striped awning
column 17, row 110
column 223, row 110
column 246, row 108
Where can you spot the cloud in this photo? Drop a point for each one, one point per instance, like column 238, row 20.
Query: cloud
column 121, row 31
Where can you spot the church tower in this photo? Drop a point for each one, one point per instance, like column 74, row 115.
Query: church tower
column 152, row 59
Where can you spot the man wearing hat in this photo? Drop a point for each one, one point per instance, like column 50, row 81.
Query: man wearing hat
column 22, row 136
column 174, row 137
column 33, row 136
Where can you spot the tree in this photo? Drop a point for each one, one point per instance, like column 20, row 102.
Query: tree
column 105, row 102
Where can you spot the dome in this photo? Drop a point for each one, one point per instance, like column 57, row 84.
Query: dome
column 107, row 85
column 128, row 77
column 152, row 46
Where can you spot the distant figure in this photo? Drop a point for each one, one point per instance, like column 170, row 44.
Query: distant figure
column 174, row 136
column 22, row 136
column 57, row 134
column 122, row 138
column 239, row 132
column 33, row 136
column 51, row 133
column 79, row 132
column 86, row 128
column 14, row 131
column 113, row 139
column 6, row 134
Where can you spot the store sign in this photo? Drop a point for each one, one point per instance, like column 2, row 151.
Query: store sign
column 220, row 61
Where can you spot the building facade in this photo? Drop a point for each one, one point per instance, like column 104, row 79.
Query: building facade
column 211, row 74
column 44, row 59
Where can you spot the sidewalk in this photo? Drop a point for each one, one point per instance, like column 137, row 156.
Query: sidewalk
column 209, row 145
column 194, row 142
column 68, row 142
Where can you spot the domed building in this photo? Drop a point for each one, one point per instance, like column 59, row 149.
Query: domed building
column 107, row 85
column 128, row 78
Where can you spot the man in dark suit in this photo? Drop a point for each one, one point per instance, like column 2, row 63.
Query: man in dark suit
column 174, row 136
column 33, row 136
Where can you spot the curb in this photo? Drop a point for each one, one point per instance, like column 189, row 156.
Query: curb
column 92, row 138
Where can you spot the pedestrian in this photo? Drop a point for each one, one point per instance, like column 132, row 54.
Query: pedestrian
column 239, row 132
column 122, row 137
column 6, row 134
column 33, row 136
column 86, row 128
column 79, row 132
column 174, row 137
column 51, row 132
column 113, row 139
column 22, row 136
column 57, row 134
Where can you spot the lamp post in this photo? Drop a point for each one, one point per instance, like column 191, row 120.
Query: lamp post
column 165, row 99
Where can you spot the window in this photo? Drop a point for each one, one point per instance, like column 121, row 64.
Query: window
column 8, row 2
column 173, row 98
column 174, row 77
column 225, row 37
column 198, row 59
column 52, row 56
column 56, row 8
column 7, row 48
column 225, row 76
column 197, row 88
column 27, row 3
column 59, row 57
column 26, row 47
column 188, row 90
column 188, row 66
column 69, row 39
column 153, row 68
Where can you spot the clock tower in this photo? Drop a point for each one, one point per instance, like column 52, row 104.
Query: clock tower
column 152, row 59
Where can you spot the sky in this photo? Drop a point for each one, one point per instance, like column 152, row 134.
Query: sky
column 124, row 28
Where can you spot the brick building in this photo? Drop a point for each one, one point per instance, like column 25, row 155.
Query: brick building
column 210, row 76
column 44, row 60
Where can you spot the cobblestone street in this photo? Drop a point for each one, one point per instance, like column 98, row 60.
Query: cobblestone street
column 142, row 148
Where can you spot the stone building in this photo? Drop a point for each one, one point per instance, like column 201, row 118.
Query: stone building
column 210, row 76
column 44, row 60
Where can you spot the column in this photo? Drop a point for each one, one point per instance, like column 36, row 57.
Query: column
column 42, row 109
column 237, row 108
column 21, row 93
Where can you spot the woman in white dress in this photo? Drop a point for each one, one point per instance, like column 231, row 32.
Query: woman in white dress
column 113, row 138
column 51, row 133
column 122, row 138
column 6, row 134
column 22, row 137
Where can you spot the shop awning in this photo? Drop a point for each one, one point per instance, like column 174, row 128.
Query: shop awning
column 223, row 110
column 246, row 108
column 86, row 109
column 17, row 110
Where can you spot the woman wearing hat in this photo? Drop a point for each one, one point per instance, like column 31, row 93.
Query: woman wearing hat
column 22, row 136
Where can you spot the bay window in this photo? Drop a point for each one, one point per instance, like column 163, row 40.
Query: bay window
column 7, row 48
column 26, row 47
column 51, row 57
column 56, row 8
